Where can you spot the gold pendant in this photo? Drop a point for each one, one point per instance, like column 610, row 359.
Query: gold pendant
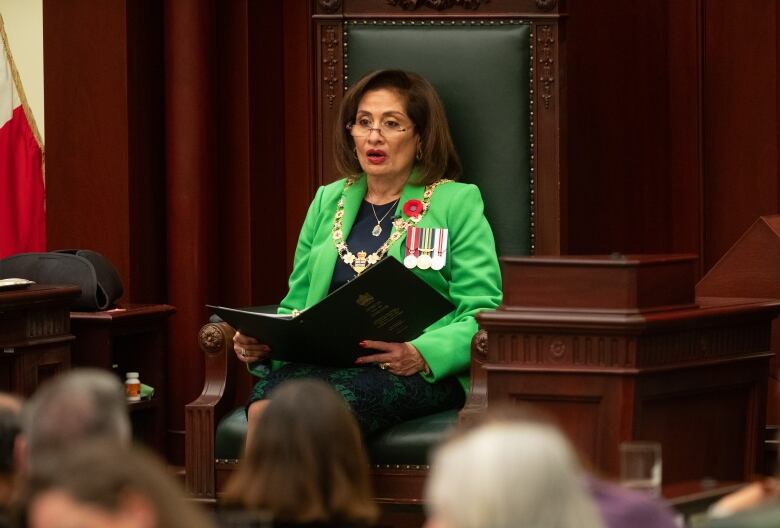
column 360, row 263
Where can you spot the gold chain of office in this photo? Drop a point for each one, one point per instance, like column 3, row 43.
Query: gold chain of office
column 360, row 261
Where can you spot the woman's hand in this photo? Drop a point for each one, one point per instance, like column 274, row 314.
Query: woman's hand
column 248, row 349
column 402, row 359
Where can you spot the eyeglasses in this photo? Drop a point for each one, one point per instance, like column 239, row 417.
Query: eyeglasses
column 389, row 128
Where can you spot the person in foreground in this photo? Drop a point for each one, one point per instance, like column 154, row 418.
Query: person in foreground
column 73, row 407
column 394, row 149
column 306, row 465
column 102, row 484
column 507, row 475
column 617, row 506
column 10, row 409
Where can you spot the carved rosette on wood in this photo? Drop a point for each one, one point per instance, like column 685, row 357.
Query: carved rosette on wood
column 210, row 338
column 546, row 5
column 439, row 5
column 545, row 39
column 330, row 6
column 479, row 344
column 330, row 62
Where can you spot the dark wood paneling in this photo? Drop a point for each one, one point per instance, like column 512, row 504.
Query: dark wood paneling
column 146, row 151
column 232, row 212
column 424, row 8
column 87, row 148
column 298, row 117
column 190, row 61
column 267, row 147
column 622, row 90
column 104, row 149
column 672, row 124
column 740, row 120
column 684, row 138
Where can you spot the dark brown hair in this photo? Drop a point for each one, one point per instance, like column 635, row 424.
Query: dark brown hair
column 102, row 474
column 423, row 106
column 306, row 462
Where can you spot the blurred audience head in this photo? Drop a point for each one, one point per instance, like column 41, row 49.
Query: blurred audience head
column 306, row 461
column 78, row 405
column 100, row 484
column 10, row 408
column 505, row 473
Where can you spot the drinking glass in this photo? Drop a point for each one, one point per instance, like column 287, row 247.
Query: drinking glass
column 640, row 466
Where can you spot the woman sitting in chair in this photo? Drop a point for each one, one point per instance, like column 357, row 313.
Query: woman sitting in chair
column 394, row 149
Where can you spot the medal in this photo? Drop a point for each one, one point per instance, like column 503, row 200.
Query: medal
column 412, row 239
column 439, row 249
column 426, row 248
column 360, row 263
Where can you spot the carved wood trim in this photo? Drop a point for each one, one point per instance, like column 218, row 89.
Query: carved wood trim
column 552, row 350
column 545, row 41
column 477, row 397
column 549, row 128
column 702, row 345
column 330, row 6
column 525, row 350
column 546, row 5
column 202, row 415
column 210, row 339
column 439, row 5
column 329, row 72
column 330, row 62
column 199, row 453
column 48, row 323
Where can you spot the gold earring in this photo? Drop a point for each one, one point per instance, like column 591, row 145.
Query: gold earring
column 418, row 155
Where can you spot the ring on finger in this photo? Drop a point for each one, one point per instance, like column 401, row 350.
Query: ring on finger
column 384, row 366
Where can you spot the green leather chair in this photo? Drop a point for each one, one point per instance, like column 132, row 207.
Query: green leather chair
column 483, row 71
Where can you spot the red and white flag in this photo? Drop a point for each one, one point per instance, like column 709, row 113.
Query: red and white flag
column 22, row 196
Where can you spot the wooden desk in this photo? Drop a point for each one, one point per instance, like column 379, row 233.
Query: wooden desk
column 35, row 336
column 129, row 338
column 620, row 350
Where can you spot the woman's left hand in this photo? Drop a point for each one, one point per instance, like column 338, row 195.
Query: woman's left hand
column 402, row 359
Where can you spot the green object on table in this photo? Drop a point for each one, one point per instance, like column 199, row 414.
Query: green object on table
column 146, row 392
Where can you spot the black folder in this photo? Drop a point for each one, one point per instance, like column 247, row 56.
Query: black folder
column 387, row 302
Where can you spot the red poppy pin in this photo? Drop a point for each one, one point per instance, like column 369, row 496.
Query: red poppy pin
column 413, row 208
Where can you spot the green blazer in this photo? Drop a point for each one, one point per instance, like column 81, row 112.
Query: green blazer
column 471, row 278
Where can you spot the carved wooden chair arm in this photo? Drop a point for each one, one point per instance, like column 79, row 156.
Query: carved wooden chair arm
column 476, row 399
column 216, row 342
column 202, row 414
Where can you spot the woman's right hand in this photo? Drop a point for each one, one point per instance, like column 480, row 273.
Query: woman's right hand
column 248, row 349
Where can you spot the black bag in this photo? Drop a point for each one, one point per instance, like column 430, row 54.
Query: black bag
column 97, row 277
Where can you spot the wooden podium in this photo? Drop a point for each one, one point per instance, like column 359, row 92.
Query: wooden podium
column 619, row 349
column 35, row 335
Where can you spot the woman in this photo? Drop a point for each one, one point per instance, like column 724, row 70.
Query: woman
column 104, row 485
column 306, row 464
column 394, row 148
column 508, row 475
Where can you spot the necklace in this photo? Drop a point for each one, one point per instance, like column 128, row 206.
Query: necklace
column 363, row 261
column 378, row 228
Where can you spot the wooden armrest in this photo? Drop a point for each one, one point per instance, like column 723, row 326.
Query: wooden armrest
column 216, row 342
column 202, row 414
column 476, row 399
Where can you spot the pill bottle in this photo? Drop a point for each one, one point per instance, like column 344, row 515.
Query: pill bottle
column 133, row 386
